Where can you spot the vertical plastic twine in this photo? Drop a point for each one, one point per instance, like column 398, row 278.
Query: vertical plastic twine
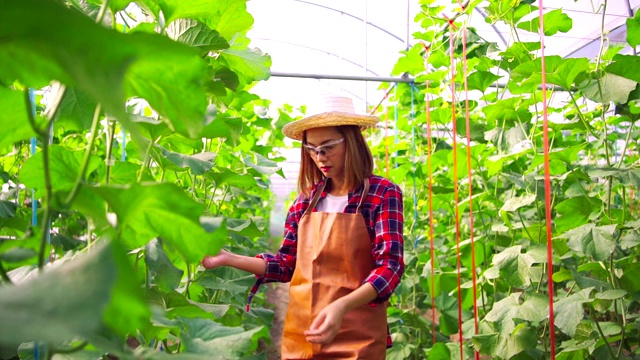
column 455, row 180
column 427, row 112
column 547, row 183
column 413, row 154
column 470, row 180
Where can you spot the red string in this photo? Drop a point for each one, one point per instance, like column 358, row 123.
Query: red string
column 455, row 182
column 427, row 101
column 547, row 183
column 473, row 251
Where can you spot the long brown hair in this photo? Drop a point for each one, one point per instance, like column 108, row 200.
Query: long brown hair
column 358, row 163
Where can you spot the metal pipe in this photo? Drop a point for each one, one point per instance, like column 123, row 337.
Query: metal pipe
column 405, row 80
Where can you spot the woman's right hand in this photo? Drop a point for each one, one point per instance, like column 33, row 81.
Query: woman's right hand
column 212, row 262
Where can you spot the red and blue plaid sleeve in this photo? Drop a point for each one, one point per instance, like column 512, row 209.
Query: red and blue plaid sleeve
column 388, row 244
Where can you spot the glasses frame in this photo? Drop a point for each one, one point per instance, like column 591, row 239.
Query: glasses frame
column 315, row 151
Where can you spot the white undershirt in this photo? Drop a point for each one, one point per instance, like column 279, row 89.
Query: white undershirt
column 333, row 204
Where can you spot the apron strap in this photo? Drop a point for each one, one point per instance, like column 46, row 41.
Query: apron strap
column 315, row 199
column 365, row 192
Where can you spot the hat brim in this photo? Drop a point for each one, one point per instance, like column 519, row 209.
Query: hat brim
column 296, row 129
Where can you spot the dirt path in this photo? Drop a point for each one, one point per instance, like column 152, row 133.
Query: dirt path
column 278, row 297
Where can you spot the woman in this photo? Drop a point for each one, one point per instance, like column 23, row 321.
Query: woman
column 342, row 269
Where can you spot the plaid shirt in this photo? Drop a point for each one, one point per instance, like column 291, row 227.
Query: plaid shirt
column 382, row 211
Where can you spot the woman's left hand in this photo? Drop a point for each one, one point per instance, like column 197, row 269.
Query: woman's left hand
column 326, row 325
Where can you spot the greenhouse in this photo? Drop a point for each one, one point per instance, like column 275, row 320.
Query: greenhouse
column 154, row 152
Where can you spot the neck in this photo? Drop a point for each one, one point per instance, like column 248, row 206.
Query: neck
column 338, row 187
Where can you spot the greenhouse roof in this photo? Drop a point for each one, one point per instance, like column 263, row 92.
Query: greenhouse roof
column 313, row 42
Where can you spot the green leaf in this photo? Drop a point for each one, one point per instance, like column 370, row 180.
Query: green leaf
column 625, row 66
column 13, row 117
column 633, row 30
column 199, row 163
column 249, row 64
column 592, row 240
column 574, row 212
column 504, row 312
column 522, row 338
column 17, row 255
column 554, row 21
column 146, row 211
column 196, row 34
column 569, row 311
column 611, row 294
column 162, row 272
column 534, row 308
column 244, row 227
column 228, row 177
column 206, row 337
column 411, row 63
column 630, row 280
column 514, row 266
column 263, row 165
column 609, row 87
column 77, row 293
column 76, row 110
column 515, row 203
column 64, row 166
column 7, row 209
column 57, row 43
column 224, row 127
column 481, row 80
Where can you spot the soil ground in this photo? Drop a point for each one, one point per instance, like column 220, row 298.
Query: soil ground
column 278, row 297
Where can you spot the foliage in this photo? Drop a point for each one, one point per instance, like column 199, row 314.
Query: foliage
column 146, row 155
column 593, row 163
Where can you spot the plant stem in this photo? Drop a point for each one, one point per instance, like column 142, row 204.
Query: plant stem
column 186, row 288
column 604, row 338
column 48, row 197
column 103, row 10
column 109, row 163
column 626, row 145
column 87, row 156
column 523, row 224
column 219, row 205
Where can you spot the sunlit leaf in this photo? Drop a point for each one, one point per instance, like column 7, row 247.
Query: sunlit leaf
column 196, row 34
column 633, row 30
column 13, row 117
column 569, row 311
column 554, row 21
column 609, row 87
column 411, row 63
column 64, row 167
column 514, row 266
column 146, row 211
column 592, row 240
column 515, row 203
column 199, row 163
column 249, row 64
column 481, row 80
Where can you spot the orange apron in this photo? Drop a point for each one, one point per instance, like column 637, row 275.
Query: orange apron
column 333, row 259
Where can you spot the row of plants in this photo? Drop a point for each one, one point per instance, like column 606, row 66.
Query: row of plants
column 150, row 152
column 594, row 171
column 131, row 148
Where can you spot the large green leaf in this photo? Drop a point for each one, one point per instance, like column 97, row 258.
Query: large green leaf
column 625, row 66
column 592, row 240
column 516, row 202
column 574, row 212
column 633, row 30
column 56, row 43
column 569, row 311
column 411, row 63
column 146, row 211
column 64, row 167
column 223, row 126
column 203, row 336
column 562, row 72
column 554, row 21
column 249, row 64
column 198, row 164
column 162, row 272
column 610, row 87
column 514, row 266
column 68, row 302
column 228, row 177
column 7, row 209
column 481, row 80
column 76, row 110
column 13, row 117
column 196, row 34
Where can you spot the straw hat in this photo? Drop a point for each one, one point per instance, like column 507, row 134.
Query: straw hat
column 329, row 110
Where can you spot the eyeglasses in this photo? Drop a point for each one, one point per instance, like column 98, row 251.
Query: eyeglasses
column 327, row 149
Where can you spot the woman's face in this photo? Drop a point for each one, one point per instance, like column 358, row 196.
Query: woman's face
column 330, row 157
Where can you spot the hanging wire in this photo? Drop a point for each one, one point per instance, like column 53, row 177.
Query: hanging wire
column 547, row 183
column 470, row 180
column 427, row 111
column 455, row 180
